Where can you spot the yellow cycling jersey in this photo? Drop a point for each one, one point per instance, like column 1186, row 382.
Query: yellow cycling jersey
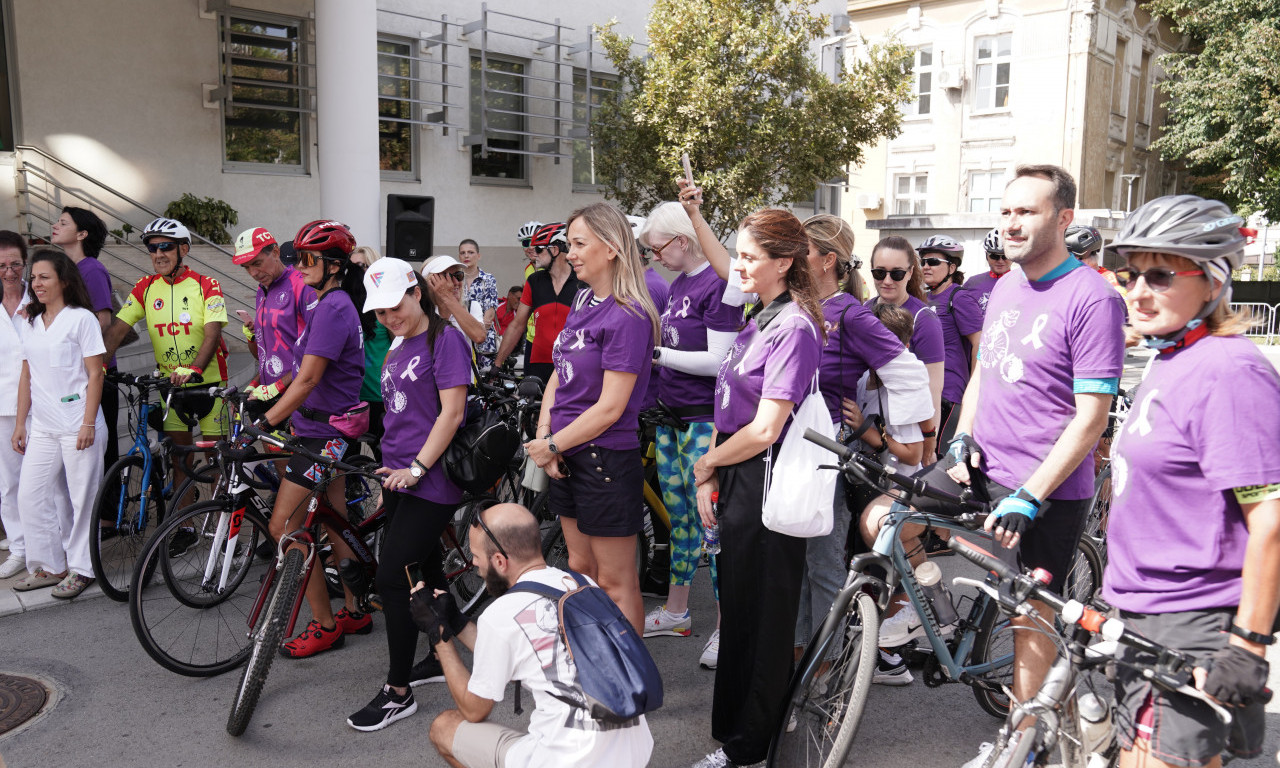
column 176, row 314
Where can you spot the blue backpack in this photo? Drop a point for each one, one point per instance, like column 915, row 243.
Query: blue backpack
column 616, row 674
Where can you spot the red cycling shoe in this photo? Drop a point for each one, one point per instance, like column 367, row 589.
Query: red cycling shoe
column 314, row 639
column 353, row 623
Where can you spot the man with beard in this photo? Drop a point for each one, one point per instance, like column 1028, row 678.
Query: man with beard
column 516, row 638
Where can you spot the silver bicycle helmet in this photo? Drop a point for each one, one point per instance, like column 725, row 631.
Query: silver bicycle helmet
column 167, row 228
column 992, row 243
column 1083, row 240
column 947, row 246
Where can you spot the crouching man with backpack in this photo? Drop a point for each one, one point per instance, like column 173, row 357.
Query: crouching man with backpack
column 541, row 620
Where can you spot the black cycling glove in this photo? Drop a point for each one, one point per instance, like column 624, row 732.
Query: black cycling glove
column 1236, row 677
column 962, row 446
column 437, row 616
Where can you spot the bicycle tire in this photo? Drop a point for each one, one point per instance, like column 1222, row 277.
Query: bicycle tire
column 1084, row 581
column 827, row 698
column 1100, row 511
column 182, row 632
column 555, row 550
column 267, row 636
column 119, row 500
column 464, row 579
column 994, row 641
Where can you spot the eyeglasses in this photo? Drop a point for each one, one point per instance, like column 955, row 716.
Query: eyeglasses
column 524, row 242
column 1158, row 279
column 14, row 267
column 933, row 261
column 997, row 256
column 896, row 274
column 458, row 275
column 164, row 247
column 540, row 248
column 658, row 248
column 479, row 520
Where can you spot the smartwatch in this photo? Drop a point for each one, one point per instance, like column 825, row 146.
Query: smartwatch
column 657, row 354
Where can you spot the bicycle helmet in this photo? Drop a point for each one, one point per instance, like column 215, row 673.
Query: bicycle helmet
column 555, row 233
column 332, row 239
column 992, row 243
column 637, row 225
column 525, row 233
column 1083, row 240
column 1203, row 231
column 167, row 228
column 951, row 250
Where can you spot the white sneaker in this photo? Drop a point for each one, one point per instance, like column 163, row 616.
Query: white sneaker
column 711, row 651
column 717, row 759
column 905, row 626
column 12, row 567
column 660, row 622
column 984, row 752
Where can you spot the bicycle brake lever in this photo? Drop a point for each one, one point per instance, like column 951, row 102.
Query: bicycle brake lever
column 992, row 592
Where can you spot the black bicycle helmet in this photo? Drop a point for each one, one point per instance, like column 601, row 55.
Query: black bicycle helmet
column 992, row 243
column 1083, row 240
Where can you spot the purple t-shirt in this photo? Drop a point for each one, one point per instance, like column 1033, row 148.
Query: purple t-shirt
column 926, row 333
column 1039, row 338
column 959, row 315
column 279, row 320
column 696, row 307
column 982, row 285
column 332, row 332
column 777, row 363
column 98, row 282
column 660, row 293
column 595, row 339
column 857, row 343
column 1177, row 536
column 412, row 378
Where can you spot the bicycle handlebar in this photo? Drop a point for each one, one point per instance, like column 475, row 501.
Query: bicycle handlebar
column 295, row 446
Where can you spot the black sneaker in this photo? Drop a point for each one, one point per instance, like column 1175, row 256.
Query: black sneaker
column 182, row 540
column 891, row 669
column 385, row 709
column 426, row 671
column 935, row 545
column 652, row 587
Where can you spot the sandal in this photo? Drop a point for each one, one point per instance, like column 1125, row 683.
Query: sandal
column 72, row 586
column 41, row 578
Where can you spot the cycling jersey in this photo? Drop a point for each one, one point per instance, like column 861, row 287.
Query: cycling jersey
column 176, row 313
column 550, row 310
column 281, row 317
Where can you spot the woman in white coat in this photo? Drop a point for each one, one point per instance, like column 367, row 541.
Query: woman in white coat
column 13, row 266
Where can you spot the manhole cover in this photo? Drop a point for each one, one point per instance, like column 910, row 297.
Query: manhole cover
column 20, row 700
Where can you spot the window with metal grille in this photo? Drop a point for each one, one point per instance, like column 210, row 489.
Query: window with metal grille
column 498, row 90
column 397, row 145
column 266, row 101
column 585, row 100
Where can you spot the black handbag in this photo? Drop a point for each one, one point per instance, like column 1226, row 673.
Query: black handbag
column 481, row 450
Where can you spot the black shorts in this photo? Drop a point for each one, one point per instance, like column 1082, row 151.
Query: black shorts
column 1184, row 731
column 1051, row 542
column 604, row 491
column 305, row 472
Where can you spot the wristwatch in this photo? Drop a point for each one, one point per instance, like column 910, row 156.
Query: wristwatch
column 657, row 354
column 417, row 470
column 551, row 443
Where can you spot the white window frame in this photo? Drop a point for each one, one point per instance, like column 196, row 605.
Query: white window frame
column 990, row 194
column 922, row 77
column 992, row 63
column 915, row 200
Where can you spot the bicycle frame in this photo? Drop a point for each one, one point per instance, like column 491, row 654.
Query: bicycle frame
column 142, row 447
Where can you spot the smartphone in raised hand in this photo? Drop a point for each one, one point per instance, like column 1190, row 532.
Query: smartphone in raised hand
column 688, row 169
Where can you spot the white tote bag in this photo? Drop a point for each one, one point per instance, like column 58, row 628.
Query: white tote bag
column 798, row 496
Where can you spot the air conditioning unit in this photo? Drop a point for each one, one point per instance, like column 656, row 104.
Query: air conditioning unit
column 867, row 201
column 951, row 78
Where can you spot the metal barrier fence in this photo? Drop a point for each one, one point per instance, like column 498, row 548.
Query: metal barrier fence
column 1263, row 320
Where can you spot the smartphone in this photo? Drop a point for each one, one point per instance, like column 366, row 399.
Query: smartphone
column 244, row 316
column 413, row 572
column 688, row 169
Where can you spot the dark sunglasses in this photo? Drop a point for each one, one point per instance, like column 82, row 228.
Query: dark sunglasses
column 524, row 242
column 1158, row 279
column 479, row 520
column 896, row 274
column 932, row 261
column 458, row 275
column 164, row 247
column 541, row 248
column 306, row 259
column 997, row 256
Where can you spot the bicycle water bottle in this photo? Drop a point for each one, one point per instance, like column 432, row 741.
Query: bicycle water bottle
column 711, row 533
column 1095, row 725
column 929, row 576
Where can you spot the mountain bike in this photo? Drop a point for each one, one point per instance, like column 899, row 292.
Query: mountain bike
column 830, row 686
column 1062, row 720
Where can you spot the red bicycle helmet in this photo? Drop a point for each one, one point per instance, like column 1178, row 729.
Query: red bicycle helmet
column 324, row 236
column 555, row 233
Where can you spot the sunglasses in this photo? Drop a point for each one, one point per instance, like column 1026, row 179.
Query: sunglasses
column 1158, row 279
column 457, row 275
column 657, row 249
column 479, row 520
column 524, row 242
column 540, row 248
column 896, row 274
column 163, row 247
column 932, row 261
column 997, row 256
column 306, row 259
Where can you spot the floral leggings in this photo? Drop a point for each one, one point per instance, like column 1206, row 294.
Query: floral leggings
column 677, row 452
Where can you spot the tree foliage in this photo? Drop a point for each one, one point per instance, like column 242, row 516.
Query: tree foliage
column 735, row 84
column 1224, row 119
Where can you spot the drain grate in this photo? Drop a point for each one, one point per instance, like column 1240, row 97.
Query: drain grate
column 20, row 700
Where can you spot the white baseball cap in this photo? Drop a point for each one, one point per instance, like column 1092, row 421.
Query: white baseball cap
column 437, row 264
column 386, row 282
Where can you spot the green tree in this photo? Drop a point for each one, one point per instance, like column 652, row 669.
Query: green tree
column 1224, row 119
column 735, row 84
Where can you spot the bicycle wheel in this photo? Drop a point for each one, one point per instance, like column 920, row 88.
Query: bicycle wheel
column 194, row 623
column 464, row 579
column 1085, row 578
column 827, row 697
column 994, row 643
column 1100, row 512
column 267, row 636
column 555, row 550
column 133, row 506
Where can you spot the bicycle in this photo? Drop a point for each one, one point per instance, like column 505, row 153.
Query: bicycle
column 135, row 490
column 827, row 695
column 1058, row 719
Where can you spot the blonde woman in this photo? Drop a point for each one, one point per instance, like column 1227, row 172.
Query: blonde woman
column 588, row 431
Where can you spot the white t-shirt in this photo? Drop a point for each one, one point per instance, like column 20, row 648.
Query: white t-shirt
column 59, row 382
column 869, row 402
column 517, row 639
column 11, row 334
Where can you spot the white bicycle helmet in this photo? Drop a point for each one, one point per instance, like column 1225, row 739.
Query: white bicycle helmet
column 526, row 232
column 951, row 250
column 992, row 243
column 167, row 228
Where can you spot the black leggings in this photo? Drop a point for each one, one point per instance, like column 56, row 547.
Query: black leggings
column 412, row 536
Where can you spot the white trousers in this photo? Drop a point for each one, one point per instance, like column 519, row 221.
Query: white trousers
column 10, row 467
column 53, row 474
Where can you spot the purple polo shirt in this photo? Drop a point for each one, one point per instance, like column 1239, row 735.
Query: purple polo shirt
column 959, row 315
column 696, row 307
column 333, row 333
column 1205, row 420
column 595, row 339
column 279, row 320
column 98, row 282
column 855, row 344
